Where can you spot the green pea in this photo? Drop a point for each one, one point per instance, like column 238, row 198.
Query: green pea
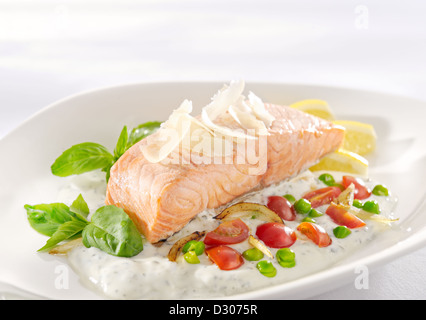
column 286, row 258
column 253, row 254
column 371, row 206
column 341, row 232
column 357, row 204
column 290, row 198
column 302, row 206
column 308, row 219
column 380, row 190
column 314, row 213
column 191, row 257
column 266, row 268
column 193, row 245
column 327, row 179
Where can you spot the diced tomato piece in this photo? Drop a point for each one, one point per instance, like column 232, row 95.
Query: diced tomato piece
column 276, row 235
column 316, row 233
column 226, row 258
column 361, row 191
column 343, row 217
column 228, row 232
column 322, row 196
column 282, row 207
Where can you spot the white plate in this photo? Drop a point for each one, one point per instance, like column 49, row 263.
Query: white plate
column 98, row 116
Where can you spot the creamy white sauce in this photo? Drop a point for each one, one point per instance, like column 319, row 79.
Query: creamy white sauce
column 150, row 275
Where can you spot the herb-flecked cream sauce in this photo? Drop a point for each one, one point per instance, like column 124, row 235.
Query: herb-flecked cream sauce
column 150, row 275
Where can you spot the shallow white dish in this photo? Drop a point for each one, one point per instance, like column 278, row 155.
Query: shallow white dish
column 99, row 115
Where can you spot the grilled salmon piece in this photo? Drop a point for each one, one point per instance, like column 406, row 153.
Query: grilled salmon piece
column 162, row 198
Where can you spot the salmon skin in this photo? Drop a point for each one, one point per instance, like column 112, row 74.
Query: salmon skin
column 162, row 198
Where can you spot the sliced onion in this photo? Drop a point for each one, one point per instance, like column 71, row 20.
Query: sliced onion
column 364, row 215
column 259, row 245
column 248, row 210
column 346, row 197
column 176, row 249
column 67, row 246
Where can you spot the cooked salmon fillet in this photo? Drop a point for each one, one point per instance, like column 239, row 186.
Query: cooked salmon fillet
column 161, row 199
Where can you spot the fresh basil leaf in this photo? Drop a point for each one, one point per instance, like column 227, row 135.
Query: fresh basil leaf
column 79, row 206
column 82, row 158
column 66, row 231
column 142, row 131
column 47, row 218
column 120, row 148
column 89, row 156
column 112, row 231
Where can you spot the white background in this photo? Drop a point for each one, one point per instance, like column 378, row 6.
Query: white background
column 50, row 49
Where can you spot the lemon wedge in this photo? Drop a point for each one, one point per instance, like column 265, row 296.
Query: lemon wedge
column 344, row 161
column 316, row 107
column 359, row 137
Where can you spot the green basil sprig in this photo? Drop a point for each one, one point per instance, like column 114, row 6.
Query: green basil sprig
column 110, row 228
column 89, row 156
column 81, row 158
column 112, row 231
column 47, row 218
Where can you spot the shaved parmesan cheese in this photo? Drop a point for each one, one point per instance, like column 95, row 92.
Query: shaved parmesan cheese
column 221, row 102
column 207, row 137
column 259, row 109
column 248, row 120
column 170, row 134
column 227, row 96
